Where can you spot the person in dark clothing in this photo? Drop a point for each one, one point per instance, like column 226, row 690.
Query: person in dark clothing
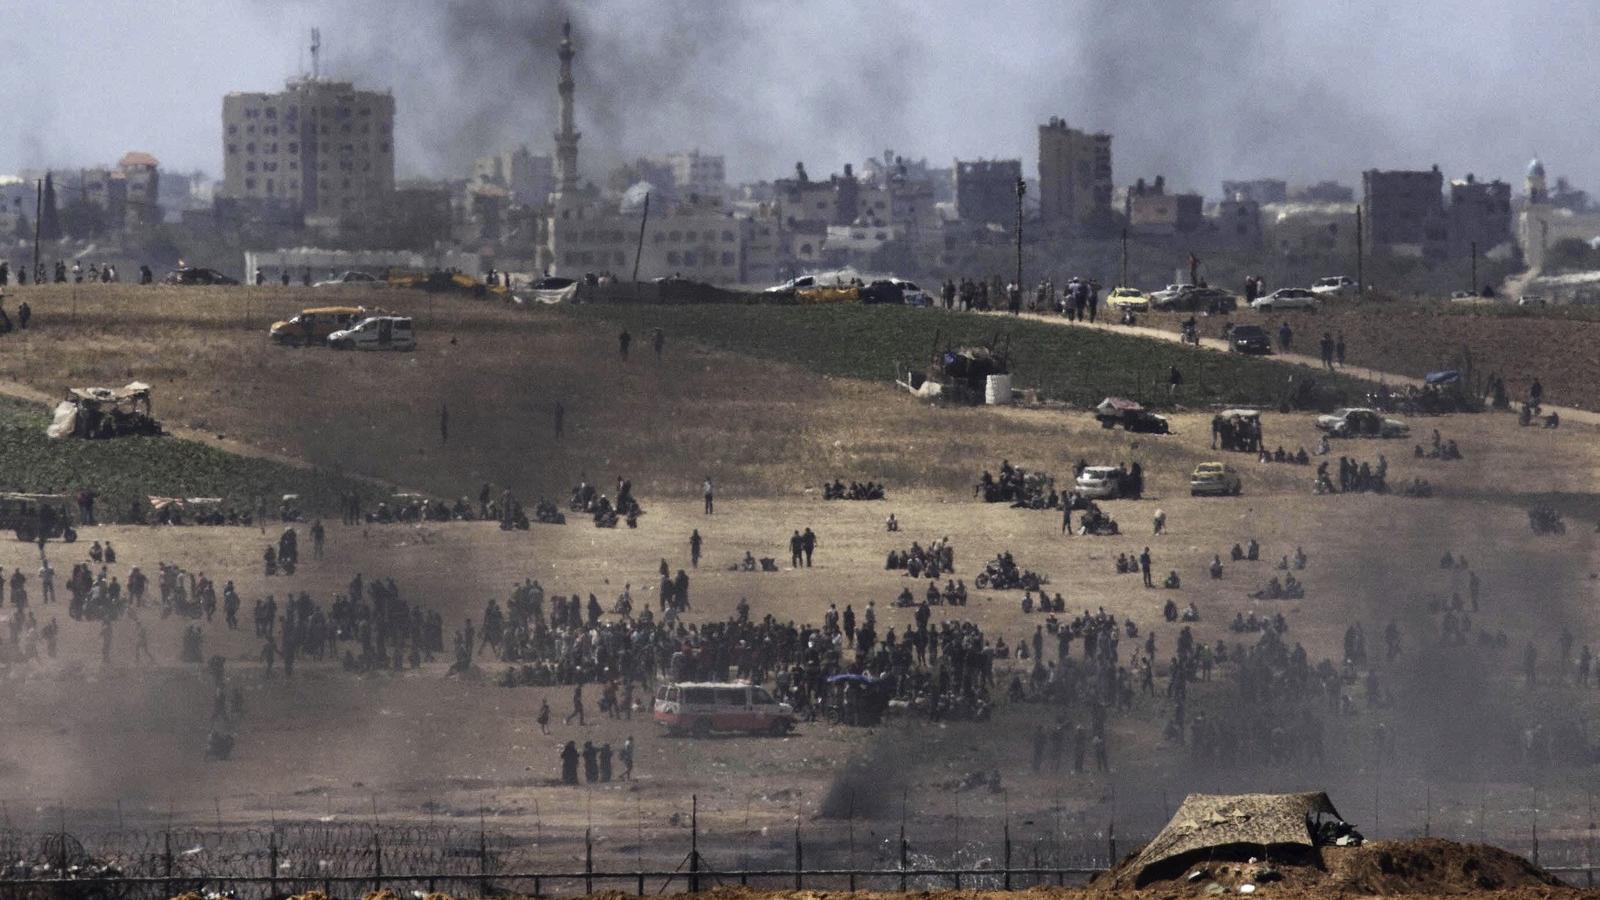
column 658, row 340
column 591, row 763
column 796, row 550
column 694, row 549
column 569, row 763
column 605, row 762
column 1144, row 566
column 808, row 543
column 24, row 313
column 1338, row 349
column 623, row 340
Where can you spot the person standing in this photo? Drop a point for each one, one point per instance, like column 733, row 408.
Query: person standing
column 1338, row 349
column 577, row 705
column 1066, row 516
column 1144, row 567
column 623, row 340
column 543, row 718
column 658, row 340
column 808, row 543
column 708, row 490
column 694, row 549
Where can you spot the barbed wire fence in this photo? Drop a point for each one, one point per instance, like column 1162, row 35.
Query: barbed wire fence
column 930, row 851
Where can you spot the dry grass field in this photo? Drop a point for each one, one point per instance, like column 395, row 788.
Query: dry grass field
column 412, row 746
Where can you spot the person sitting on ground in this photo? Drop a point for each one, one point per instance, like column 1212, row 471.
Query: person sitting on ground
column 1191, row 613
column 891, row 524
column 748, row 564
column 1283, row 564
column 1553, row 420
column 1027, row 602
column 1302, row 458
column 1252, row 550
column 1237, row 553
column 1171, row 583
column 1273, row 590
column 905, row 599
column 1292, row 589
column 1169, row 611
column 1216, row 565
column 1300, row 557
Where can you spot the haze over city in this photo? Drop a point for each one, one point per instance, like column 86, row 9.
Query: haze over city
column 1197, row 91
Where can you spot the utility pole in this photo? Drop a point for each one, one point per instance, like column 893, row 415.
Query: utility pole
column 1124, row 282
column 1473, row 287
column 1361, row 286
column 639, row 251
column 38, row 213
column 1022, row 188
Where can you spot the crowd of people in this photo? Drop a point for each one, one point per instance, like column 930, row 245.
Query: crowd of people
column 856, row 490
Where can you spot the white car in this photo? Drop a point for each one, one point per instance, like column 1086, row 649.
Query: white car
column 352, row 277
column 376, row 333
column 1361, row 422
column 1214, row 479
column 1100, row 482
column 1167, row 293
column 1285, row 298
column 792, row 285
column 1334, row 286
column 914, row 296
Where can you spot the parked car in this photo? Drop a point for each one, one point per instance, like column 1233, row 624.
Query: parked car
column 1215, row 479
column 1167, row 293
column 195, row 275
column 376, row 333
column 914, row 296
column 1285, row 298
column 699, row 709
column 883, row 291
column 1335, row 286
column 1100, row 482
column 794, row 284
column 1249, row 339
column 1114, row 411
column 1128, row 298
column 352, row 277
column 1196, row 299
column 1361, row 422
column 312, row 326
column 31, row 516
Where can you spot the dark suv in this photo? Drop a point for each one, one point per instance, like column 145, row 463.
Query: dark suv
column 1249, row 339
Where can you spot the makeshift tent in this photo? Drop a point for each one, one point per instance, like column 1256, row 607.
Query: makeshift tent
column 1280, row 827
column 1447, row 376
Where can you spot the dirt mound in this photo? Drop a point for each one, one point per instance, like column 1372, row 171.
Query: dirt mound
column 1426, row 866
column 1429, row 866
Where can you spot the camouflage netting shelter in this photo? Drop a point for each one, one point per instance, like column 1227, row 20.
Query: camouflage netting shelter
column 1280, row 827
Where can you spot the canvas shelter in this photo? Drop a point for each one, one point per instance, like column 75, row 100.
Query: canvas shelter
column 1278, row 827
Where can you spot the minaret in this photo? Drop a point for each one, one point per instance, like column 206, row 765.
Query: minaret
column 567, row 137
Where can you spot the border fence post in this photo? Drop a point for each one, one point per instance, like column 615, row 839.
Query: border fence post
column 377, row 861
column 483, row 858
column 1111, row 844
column 799, row 860
column 272, row 862
column 1005, row 836
column 588, row 861
column 694, row 844
column 166, row 862
column 903, row 854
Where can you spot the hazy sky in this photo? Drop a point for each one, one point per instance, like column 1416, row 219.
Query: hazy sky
column 1196, row 91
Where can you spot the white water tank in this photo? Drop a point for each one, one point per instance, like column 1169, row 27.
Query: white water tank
column 997, row 389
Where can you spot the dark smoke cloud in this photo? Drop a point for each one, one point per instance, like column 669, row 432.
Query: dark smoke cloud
column 1196, row 91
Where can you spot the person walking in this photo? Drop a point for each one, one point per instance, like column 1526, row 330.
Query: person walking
column 577, row 705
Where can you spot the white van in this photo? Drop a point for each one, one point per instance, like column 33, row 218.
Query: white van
column 376, row 333
column 701, row 708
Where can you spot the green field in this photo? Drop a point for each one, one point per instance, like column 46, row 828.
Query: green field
column 128, row 470
column 1075, row 365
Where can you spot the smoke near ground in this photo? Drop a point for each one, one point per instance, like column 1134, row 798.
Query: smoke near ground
column 1198, row 92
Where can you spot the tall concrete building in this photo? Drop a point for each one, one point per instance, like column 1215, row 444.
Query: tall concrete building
column 1405, row 212
column 528, row 178
column 697, row 173
column 986, row 189
column 1074, row 174
column 318, row 145
column 1480, row 213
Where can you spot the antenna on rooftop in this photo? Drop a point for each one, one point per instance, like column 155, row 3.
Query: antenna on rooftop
column 316, row 48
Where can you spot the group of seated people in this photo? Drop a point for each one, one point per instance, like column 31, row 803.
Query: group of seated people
column 1302, row 458
column 856, row 491
column 1045, row 603
column 749, row 563
column 1531, row 412
column 1442, row 449
column 1289, row 589
column 1299, row 561
column 1190, row 613
column 547, row 513
column 954, row 594
column 1417, row 487
column 1017, row 486
column 1096, row 521
column 1243, row 624
column 937, row 559
column 1251, row 551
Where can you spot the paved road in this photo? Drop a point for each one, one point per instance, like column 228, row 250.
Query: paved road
column 1569, row 415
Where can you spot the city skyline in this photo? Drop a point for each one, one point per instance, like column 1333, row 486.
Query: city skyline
column 1485, row 111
